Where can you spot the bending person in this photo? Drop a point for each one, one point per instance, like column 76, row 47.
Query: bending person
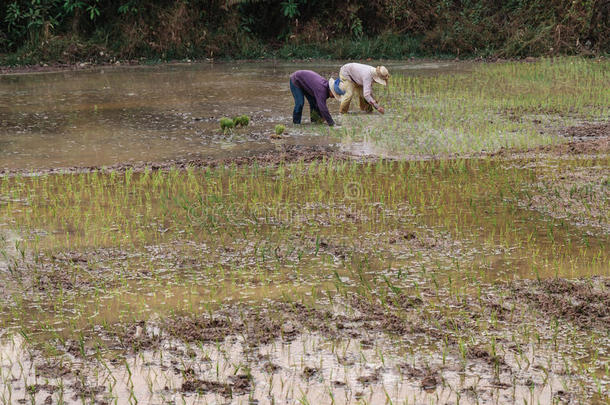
column 357, row 80
column 310, row 85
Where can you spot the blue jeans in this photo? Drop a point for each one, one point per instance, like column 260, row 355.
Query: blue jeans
column 299, row 101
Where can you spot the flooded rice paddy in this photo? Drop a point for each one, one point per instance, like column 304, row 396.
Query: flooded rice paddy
column 109, row 116
column 206, row 267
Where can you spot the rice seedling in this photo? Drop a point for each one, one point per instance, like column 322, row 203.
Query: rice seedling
column 279, row 129
column 227, row 124
column 242, row 120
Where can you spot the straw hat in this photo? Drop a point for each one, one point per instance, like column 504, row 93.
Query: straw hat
column 380, row 75
column 336, row 91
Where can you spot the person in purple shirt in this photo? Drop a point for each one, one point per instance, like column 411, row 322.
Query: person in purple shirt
column 316, row 89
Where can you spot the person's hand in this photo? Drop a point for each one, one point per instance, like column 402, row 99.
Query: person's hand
column 381, row 110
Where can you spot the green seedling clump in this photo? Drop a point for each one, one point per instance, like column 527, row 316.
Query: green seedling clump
column 316, row 118
column 226, row 124
column 279, row 129
column 242, row 120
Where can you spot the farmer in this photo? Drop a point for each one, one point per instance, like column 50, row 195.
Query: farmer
column 310, row 85
column 357, row 80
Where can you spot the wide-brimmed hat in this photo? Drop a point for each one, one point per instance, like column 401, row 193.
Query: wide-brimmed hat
column 380, row 75
column 336, row 91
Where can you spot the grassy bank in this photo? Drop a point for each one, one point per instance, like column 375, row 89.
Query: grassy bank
column 397, row 47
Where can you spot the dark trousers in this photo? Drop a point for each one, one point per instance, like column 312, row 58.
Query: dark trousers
column 299, row 101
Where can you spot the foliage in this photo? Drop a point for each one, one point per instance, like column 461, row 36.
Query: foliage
column 303, row 28
column 35, row 20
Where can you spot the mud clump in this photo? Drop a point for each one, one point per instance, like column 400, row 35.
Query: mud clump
column 205, row 387
column 35, row 388
column 309, row 372
column 52, row 369
column 584, row 139
column 71, row 257
column 587, row 131
column 137, row 337
column 585, row 147
column 429, row 382
column 586, row 302
column 47, row 274
column 588, row 139
column 258, row 326
column 241, row 384
column 200, row 329
column 370, row 378
column 270, row 367
column 429, row 378
column 262, row 329
column 477, row 352
column 85, row 390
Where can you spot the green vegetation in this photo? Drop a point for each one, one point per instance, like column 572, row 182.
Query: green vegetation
column 279, row 129
column 508, row 105
column 34, row 31
column 242, row 120
column 86, row 210
column 227, row 124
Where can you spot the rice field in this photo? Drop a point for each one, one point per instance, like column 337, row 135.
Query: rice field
column 468, row 265
column 505, row 105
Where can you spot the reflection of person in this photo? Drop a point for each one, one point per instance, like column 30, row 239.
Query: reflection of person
column 310, row 85
column 357, row 80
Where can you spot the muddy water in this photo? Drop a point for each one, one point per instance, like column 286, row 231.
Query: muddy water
column 306, row 370
column 116, row 115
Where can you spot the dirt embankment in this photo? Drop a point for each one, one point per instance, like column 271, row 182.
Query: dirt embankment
column 586, row 139
column 282, row 154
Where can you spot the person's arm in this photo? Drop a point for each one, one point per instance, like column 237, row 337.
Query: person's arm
column 321, row 101
column 325, row 113
column 367, row 92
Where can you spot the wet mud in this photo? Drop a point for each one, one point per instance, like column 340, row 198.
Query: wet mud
column 587, row 139
column 586, row 303
column 263, row 336
column 591, row 140
column 281, row 154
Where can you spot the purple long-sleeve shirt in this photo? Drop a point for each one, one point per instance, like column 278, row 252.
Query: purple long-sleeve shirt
column 317, row 87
